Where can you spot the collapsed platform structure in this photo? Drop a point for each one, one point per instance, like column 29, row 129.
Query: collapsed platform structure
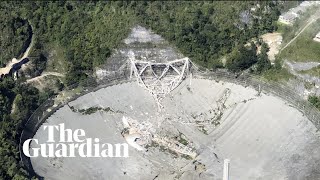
column 159, row 78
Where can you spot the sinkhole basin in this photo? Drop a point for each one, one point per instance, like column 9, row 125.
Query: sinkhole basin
column 263, row 136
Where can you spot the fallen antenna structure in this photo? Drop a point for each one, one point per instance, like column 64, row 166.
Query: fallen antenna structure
column 159, row 78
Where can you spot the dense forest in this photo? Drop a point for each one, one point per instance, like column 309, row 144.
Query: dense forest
column 205, row 31
column 14, row 36
column 88, row 32
column 17, row 102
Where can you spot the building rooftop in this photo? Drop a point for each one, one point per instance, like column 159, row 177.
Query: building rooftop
column 290, row 16
column 317, row 37
column 287, row 18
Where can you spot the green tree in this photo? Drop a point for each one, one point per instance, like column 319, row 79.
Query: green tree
column 263, row 62
column 314, row 100
column 241, row 58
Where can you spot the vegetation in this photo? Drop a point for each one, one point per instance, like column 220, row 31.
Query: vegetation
column 85, row 32
column 289, row 32
column 276, row 72
column 182, row 139
column 14, row 34
column 313, row 71
column 263, row 62
column 314, row 100
column 56, row 59
column 86, row 41
column 242, row 58
column 205, row 31
column 92, row 110
column 304, row 48
column 25, row 99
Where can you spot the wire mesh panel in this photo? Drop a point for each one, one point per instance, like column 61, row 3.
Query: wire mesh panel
column 48, row 107
column 45, row 110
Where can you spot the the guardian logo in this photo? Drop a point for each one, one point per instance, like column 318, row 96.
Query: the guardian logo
column 72, row 144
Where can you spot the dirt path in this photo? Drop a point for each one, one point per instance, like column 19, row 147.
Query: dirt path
column 44, row 75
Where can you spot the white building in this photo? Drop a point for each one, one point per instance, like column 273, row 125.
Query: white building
column 287, row 18
column 306, row 3
column 294, row 13
column 317, row 38
column 297, row 11
column 309, row 3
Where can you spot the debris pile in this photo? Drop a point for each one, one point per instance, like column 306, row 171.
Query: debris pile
column 142, row 135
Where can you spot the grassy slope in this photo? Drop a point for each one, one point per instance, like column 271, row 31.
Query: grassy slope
column 56, row 58
column 277, row 75
column 304, row 48
column 313, row 72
